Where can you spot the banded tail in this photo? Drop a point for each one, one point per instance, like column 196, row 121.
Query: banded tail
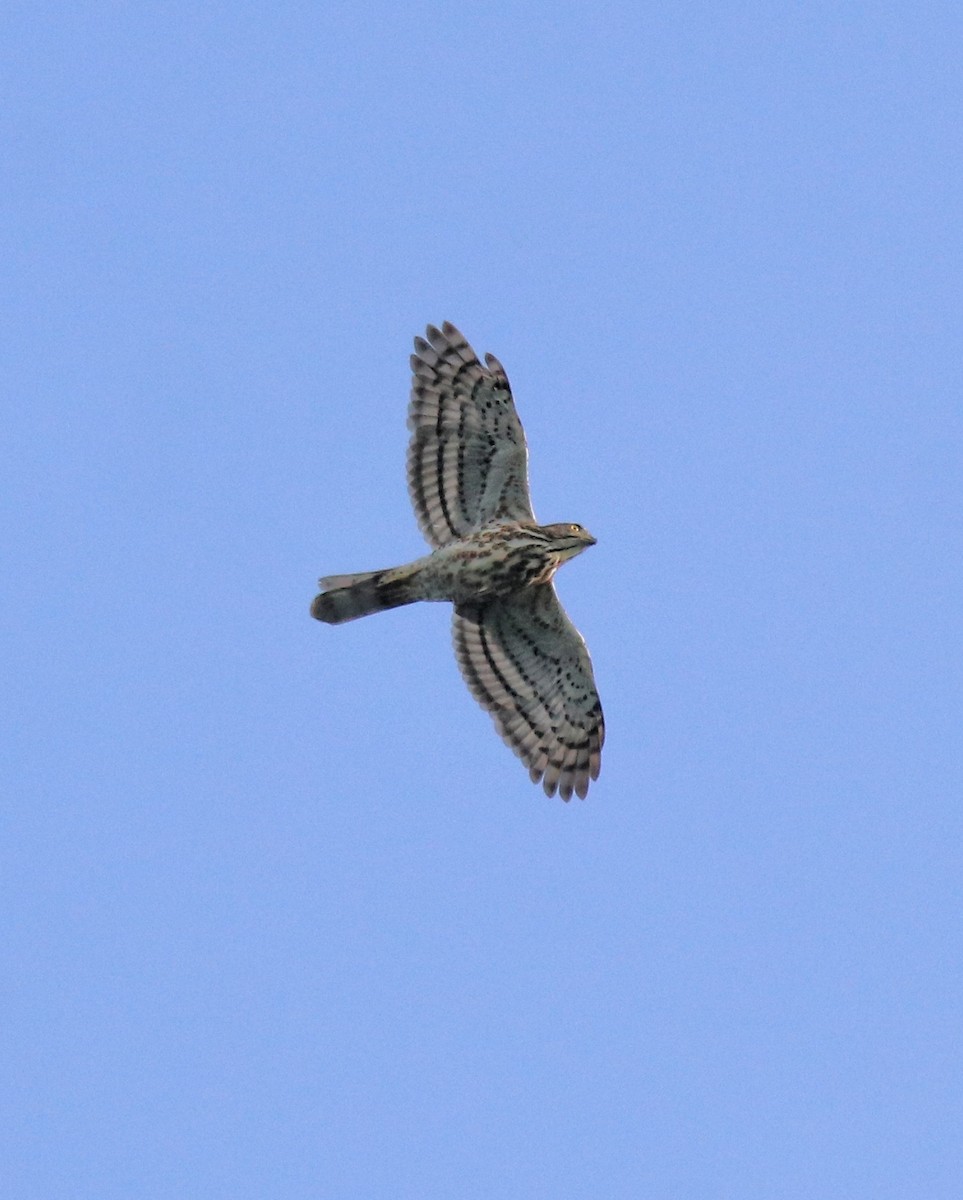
column 347, row 597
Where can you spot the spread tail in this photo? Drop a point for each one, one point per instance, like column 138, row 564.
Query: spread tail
column 346, row 597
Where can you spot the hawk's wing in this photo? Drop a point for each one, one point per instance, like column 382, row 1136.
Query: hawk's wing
column 527, row 664
column 467, row 459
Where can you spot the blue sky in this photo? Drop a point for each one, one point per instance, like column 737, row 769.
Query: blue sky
column 283, row 917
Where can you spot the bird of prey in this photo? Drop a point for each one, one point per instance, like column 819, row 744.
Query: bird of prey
column 522, row 658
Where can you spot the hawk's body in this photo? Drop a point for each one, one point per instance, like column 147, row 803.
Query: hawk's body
column 468, row 479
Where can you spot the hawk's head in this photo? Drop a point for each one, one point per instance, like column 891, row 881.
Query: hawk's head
column 568, row 540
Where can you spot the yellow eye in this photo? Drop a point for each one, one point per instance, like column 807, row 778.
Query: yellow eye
column 575, row 528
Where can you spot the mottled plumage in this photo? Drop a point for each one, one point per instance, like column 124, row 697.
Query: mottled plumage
column 522, row 658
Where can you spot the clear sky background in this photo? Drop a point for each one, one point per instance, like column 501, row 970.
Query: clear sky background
column 282, row 916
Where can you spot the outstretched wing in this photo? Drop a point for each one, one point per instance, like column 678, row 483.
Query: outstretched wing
column 467, row 459
column 527, row 664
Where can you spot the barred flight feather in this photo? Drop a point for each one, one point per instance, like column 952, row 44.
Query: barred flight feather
column 467, row 458
column 526, row 663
